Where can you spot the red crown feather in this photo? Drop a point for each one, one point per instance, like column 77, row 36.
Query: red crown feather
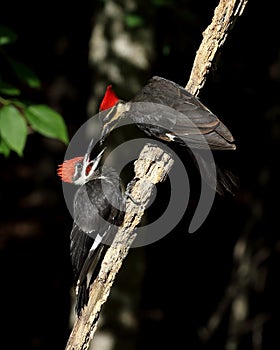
column 109, row 99
column 67, row 168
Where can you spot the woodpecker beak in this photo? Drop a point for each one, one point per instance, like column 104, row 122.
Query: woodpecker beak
column 88, row 152
column 91, row 166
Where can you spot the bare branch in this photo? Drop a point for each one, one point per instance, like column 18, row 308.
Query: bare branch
column 214, row 37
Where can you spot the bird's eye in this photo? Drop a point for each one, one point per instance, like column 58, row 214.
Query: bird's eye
column 79, row 166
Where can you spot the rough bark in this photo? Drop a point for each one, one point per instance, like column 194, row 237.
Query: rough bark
column 214, row 37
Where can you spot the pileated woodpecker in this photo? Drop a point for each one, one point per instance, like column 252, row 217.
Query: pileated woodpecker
column 98, row 205
column 167, row 111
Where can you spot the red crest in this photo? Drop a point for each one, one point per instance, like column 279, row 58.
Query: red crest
column 66, row 170
column 109, row 99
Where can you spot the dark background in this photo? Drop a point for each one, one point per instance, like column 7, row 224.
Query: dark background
column 166, row 292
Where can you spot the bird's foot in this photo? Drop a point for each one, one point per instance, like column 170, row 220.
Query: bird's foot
column 128, row 190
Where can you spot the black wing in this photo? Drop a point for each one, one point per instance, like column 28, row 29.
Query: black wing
column 176, row 115
column 80, row 244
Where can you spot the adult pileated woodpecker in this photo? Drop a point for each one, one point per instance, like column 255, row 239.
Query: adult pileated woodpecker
column 167, row 111
column 98, row 205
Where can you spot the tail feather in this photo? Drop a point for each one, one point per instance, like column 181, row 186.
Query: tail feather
column 90, row 263
column 220, row 179
column 227, row 182
column 86, row 277
column 82, row 297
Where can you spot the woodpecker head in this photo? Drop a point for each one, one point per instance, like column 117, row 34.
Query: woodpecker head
column 116, row 110
column 79, row 170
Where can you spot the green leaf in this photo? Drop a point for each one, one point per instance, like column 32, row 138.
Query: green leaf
column 8, row 89
column 20, row 104
column 13, row 128
column 25, row 74
column 7, row 36
column 4, row 148
column 47, row 122
column 133, row 21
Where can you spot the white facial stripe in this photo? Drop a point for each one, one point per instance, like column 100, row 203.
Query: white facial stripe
column 84, row 176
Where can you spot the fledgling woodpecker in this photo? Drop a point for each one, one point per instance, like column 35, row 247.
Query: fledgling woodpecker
column 167, row 111
column 97, row 209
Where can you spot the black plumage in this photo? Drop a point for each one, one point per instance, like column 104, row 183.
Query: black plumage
column 167, row 111
column 98, row 211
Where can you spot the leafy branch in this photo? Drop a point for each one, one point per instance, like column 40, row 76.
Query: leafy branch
column 18, row 118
